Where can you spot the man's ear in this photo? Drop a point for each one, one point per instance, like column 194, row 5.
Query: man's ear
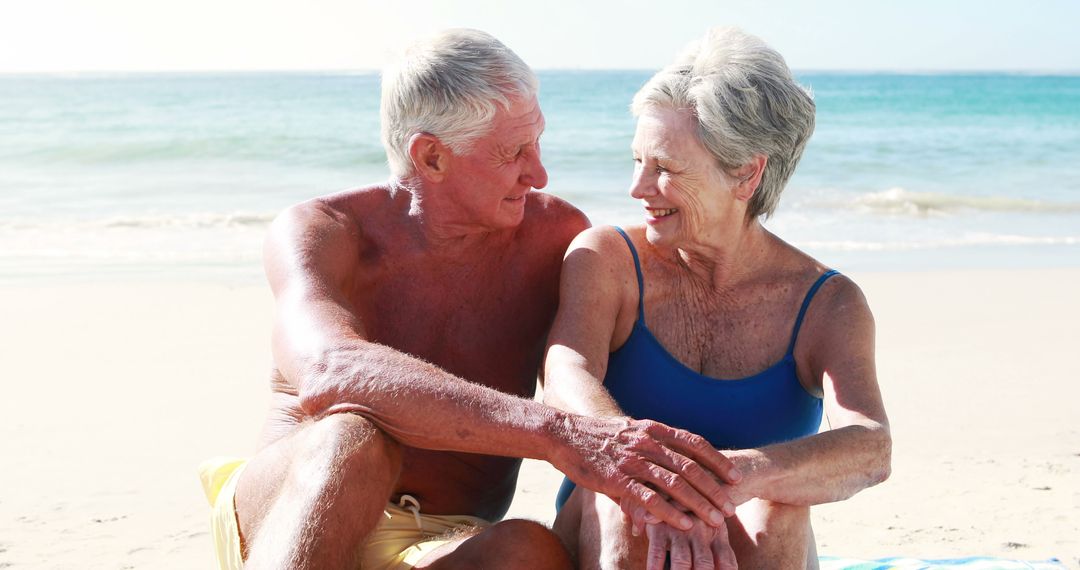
column 748, row 177
column 430, row 157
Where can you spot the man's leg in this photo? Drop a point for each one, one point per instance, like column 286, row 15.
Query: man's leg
column 510, row 544
column 310, row 499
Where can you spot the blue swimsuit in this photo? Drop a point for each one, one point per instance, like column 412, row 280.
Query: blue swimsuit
column 648, row 382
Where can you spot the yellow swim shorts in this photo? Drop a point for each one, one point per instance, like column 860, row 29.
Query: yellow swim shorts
column 400, row 541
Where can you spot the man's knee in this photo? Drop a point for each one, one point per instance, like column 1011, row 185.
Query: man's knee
column 518, row 543
column 342, row 453
column 341, row 442
column 538, row 544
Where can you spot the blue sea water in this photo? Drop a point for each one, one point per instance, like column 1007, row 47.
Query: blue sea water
column 179, row 175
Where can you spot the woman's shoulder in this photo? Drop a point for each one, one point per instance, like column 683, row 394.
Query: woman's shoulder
column 802, row 269
column 601, row 257
column 836, row 307
column 607, row 240
column 834, row 303
column 598, row 278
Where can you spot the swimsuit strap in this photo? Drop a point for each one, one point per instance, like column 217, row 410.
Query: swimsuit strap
column 640, row 279
column 805, row 304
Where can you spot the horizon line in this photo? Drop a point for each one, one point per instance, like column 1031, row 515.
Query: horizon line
column 371, row 71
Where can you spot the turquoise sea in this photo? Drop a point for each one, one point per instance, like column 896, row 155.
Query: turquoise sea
column 178, row 175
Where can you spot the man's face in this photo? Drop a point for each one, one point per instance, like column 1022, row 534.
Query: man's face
column 492, row 179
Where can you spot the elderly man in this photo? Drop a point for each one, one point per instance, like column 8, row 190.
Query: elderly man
column 411, row 319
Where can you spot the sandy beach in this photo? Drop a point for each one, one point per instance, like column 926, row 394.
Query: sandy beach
column 114, row 392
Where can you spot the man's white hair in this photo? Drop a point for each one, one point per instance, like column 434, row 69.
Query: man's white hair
column 448, row 86
column 746, row 102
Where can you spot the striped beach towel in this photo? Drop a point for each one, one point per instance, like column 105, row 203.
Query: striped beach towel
column 970, row 563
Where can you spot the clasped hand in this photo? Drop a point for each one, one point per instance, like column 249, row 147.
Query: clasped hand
column 652, row 469
column 703, row 547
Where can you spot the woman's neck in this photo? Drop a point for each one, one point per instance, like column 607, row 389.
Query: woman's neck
column 725, row 259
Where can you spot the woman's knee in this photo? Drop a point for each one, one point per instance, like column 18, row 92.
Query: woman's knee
column 567, row 525
column 770, row 535
column 606, row 539
column 775, row 521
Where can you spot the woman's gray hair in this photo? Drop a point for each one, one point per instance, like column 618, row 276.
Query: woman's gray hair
column 448, row 86
column 746, row 102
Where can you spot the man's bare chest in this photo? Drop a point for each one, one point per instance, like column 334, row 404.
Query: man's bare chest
column 481, row 324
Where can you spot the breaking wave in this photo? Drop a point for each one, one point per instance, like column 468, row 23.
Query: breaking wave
column 898, row 201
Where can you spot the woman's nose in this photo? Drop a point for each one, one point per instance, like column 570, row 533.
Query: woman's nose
column 642, row 185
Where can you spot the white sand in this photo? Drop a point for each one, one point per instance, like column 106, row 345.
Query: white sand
column 113, row 393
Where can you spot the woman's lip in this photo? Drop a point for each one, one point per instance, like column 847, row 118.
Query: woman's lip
column 652, row 220
column 658, row 213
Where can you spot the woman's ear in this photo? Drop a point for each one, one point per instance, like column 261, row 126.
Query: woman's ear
column 748, row 177
column 430, row 157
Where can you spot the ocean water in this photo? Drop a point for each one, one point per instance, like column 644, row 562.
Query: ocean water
column 178, row 176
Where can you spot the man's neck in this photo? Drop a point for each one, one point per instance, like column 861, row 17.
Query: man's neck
column 440, row 227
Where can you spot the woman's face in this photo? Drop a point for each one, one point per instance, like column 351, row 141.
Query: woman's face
column 686, row 195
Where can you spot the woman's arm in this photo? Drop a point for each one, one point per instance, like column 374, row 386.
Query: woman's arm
column 597, row 299
column 597, row 308
column 837, row 346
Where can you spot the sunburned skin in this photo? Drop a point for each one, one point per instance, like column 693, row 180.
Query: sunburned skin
column 411, row 318
column 451, row 312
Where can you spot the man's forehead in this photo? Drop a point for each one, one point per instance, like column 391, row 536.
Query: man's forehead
column 524, row 115
column 524, row 108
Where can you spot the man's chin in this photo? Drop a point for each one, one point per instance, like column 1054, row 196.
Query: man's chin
column 511, row 213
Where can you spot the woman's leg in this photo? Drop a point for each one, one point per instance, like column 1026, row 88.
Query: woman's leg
column 765, row 534
column 594, row 530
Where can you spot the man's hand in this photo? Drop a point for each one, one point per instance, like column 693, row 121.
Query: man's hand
column 649, row 468
column 703, row 547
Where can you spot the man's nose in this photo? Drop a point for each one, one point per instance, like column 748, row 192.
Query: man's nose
column 534, row 174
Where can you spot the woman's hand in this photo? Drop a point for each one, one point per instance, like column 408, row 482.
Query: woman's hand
column 703, row 547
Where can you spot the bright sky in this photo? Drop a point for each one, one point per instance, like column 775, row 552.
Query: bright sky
column 159, row 35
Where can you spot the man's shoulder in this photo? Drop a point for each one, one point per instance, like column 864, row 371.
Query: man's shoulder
column 348, row 202
column 553, row 217
column 344, row 209
column 327, row 229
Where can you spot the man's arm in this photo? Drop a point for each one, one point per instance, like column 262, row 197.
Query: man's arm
column 854, row 453
column 320, row 346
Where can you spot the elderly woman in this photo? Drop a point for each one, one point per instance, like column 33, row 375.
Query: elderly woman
column 703, row 319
